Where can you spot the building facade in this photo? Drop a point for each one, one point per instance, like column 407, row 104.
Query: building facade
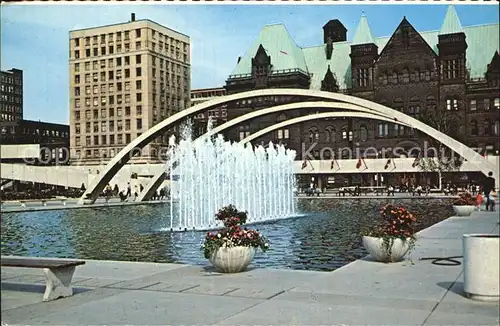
column 53, row 139
column 11, row 98
column 448, row 78
column 124, row 78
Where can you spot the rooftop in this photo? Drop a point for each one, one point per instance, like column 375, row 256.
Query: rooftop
column 129, row 22
column 287, row 55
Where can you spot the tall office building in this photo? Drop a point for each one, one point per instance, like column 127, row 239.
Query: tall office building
column 11, row 99
column 124, row 78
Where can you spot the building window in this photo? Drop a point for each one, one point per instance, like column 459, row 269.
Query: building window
column 486, row 104
column 138, row 72
column 77, row 128
column 313, row 135
column 450, row 69
column 103, row 126
column 328, row 133
column 473, row 105
column 487, row 128
column 363, row 78
column 112, row 142
column 363, row 133
column 77, row 141
column 452, row 104
column 496, row 103
column 344, row 134
column 383, row 79
column 139, row 124
column 103, row 139
column 138, row 110
column 393, row 79
column 473, row 128
column 383, row 129
column 496, row 128
column 406, row 76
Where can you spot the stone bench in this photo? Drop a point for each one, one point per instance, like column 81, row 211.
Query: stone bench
column 58, row 273
column 43, row 201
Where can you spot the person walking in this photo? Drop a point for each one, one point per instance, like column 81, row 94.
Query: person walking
column 129, row 189
column 488, row 187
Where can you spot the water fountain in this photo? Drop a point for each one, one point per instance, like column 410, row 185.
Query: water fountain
column 211, row 173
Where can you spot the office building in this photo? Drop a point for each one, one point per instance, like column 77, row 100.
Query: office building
column 124, row 79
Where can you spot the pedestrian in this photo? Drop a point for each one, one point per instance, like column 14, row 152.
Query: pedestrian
column 488, row 187
column 129, row 189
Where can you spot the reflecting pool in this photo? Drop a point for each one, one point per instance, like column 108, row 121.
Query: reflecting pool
column 326, row 237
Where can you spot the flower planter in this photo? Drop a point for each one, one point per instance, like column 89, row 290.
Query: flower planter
column 376, row 248
column 464, row 210
column 232, row 260
column 481, row 266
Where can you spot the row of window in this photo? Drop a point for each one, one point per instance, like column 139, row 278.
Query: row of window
column 95, row 89
column 11, row 89
column 105, row 100
column 105, row 140
column 6, row 107
column 406, row 77
column 111, row 74
column 108, row 112
column 38, row 132
column 125, row 61
column 107, row 126
column 111, row 37
column 8, row 117
column 11, row 98
column 384, row 130
column 10, row 80
column 111, row 49
column 488, row 129
column 484, row 104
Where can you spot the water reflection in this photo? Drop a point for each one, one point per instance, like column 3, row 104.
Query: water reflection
column 326, row 238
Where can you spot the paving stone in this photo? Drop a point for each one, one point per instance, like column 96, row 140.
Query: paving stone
column 27, row 279
column 210, row 290
column 256, row 292
column 133, row 284
column 95, row 282
column 174, row 287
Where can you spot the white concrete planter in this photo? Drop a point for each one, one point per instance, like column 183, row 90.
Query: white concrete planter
column 375, row 247
column 481, row 266
column 464, row 210
column 232, row 260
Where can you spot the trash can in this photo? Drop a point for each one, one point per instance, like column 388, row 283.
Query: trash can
column 481, row 266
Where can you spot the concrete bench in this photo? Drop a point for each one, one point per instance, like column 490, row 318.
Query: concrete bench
column 58, row 273
column 43, row 201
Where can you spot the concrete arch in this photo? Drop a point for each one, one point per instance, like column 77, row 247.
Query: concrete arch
column 97, row 185
column 158, row 179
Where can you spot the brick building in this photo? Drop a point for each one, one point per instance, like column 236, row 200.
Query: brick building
column 452, row 73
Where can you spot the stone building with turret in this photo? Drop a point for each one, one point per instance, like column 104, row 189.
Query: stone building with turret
column 454, row 71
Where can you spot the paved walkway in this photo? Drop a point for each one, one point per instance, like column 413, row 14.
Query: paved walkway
column 361, row 293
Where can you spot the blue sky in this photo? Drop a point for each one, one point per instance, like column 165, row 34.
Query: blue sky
column 34, row 38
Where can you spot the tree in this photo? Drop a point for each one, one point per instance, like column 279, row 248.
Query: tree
column 436, row 157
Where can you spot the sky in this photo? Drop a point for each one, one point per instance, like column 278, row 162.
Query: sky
column 35, row 37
